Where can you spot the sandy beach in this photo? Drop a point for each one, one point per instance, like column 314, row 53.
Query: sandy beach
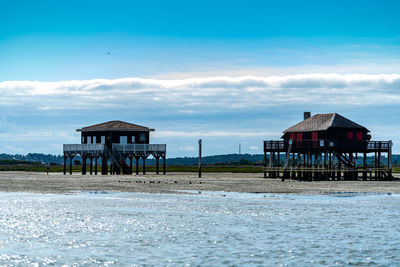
column 175, row 182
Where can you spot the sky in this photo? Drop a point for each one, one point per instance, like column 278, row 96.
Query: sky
column 229, row 72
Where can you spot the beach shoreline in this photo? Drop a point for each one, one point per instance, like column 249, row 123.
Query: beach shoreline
column 58, row 183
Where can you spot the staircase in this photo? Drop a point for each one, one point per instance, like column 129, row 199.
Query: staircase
column 117, row 161
column 345, row 160
column 120, row 162
column 383, row 171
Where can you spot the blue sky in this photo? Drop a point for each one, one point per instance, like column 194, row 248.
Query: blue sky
column 229, row 72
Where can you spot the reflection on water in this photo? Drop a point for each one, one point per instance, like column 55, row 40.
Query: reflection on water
column 211, row 228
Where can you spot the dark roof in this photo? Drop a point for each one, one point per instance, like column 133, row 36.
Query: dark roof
column 115, row 126
column 321, row 122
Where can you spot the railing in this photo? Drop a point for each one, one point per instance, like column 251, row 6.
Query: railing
column 274, row 144
column 83, row 147
column 140, row 148
column 379, row 145
column 283, row 145
column 99, row 148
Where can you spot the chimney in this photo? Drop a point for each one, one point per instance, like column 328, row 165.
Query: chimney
column 307, row 115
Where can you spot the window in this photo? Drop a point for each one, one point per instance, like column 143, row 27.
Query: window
column 142, row 137
column 94, row 139
column 292, row 136
column 133, row 139
column 359, row 136
column 83, row 140
column 89, row 140
column 103, row 139
column 314, row 137
column 299, row 138
column 350, row 135
column 123, row 140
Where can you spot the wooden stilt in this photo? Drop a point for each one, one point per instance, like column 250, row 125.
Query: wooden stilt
column 104, row 165
column 325, row 165
column 157, row 164
column 365, row 166
column 164, row 165
column 265, row 160
column 278, row 163
column 293, row 176
column 270, row 165
column 95, row 165
column 130, row 164
column 376, row 165
column 144, row 164
column 83, row 165
column 91, row 165
column 65, row 164
column 137, row 164
column 70, row 164
column 379, row 161
column 390, row 160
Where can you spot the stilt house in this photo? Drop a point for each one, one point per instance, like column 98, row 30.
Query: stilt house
column 115, row 142
column 325, row 146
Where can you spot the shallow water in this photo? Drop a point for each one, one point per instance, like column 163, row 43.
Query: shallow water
column 212, row 228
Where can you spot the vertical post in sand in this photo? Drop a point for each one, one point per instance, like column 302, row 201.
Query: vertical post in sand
column 265, row 161
column 70, row 165
column 199, row 158
column 157, row 164
column 65, row 164
column 95, row 165
column 164, row 158
column 144, row 164
column 390, row 159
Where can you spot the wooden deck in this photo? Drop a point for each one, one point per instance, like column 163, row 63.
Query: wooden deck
column 116, row 157
column 327, row 159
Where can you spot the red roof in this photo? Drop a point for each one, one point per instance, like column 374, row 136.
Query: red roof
column 115, row 126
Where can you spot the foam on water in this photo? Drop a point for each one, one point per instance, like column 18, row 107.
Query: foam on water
column 211, row 228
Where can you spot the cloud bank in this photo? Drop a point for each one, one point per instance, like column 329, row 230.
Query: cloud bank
column 223, row 111
column 193, row 95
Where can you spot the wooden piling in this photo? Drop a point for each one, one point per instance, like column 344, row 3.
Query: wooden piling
column 95, row 164
column 65, row 165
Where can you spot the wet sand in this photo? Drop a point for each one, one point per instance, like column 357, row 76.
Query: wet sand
column 174, row 182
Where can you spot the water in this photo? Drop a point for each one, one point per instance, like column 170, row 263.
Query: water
column 210, row 229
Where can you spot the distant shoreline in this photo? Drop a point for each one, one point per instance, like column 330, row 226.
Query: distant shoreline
column 175, row 182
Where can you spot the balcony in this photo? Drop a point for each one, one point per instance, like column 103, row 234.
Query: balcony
column 324, row 144
column 140, row 148
column 122, row 148
column 83, row 148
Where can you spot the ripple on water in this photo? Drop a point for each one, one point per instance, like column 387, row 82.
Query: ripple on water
column 213, row 228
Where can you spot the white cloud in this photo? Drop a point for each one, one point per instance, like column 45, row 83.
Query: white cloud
column 13, row 149
column 186, row 148
column 218, row 109
column 195, row 95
